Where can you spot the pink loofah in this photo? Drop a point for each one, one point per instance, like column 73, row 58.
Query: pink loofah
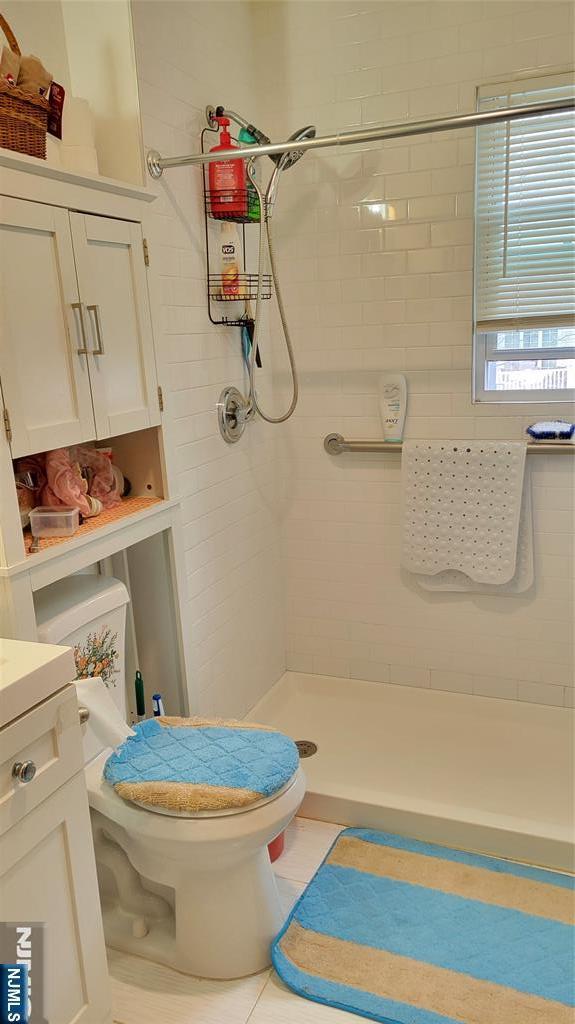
column 102, row 481
column 81, row 477
column 65, row 485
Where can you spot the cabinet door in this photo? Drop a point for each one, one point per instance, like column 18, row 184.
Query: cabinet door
column 48, row 874
column 43, row 361
column 110, row 265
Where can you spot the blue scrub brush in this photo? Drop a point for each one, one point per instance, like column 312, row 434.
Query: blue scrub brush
column 551, row 430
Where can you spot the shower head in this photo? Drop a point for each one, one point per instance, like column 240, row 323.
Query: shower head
column 282, row 160
column 286, row 160
column 293, row 155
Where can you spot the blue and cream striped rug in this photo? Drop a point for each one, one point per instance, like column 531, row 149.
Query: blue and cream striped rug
column 406, row 932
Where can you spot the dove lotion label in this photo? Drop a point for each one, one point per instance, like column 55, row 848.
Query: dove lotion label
column 393, row 405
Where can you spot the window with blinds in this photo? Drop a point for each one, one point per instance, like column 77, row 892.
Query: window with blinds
column 525, row 247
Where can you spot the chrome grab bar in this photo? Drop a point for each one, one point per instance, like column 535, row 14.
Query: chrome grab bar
column 335, row 444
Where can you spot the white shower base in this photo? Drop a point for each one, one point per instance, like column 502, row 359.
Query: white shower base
column 490, row 775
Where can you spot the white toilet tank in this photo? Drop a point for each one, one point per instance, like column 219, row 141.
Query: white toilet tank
column 88, row 612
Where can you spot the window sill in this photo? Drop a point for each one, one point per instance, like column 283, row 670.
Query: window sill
column 551, row 398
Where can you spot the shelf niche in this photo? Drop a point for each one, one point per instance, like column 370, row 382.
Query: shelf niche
column 138, row 456
column 88, row 48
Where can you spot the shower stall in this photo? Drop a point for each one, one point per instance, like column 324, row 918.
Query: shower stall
column 422, row 751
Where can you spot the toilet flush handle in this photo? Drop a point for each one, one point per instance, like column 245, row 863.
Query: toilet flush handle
column 83, row 714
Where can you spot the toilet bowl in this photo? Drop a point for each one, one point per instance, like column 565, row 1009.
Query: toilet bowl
column 195, row 891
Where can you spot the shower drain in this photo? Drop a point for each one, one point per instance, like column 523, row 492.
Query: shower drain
column 306, row 748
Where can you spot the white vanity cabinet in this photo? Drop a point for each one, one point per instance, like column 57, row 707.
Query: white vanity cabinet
column 47, row 866
column 76, row 349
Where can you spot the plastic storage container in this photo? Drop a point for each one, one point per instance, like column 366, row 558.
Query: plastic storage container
column 88, row 612
column 60, row 521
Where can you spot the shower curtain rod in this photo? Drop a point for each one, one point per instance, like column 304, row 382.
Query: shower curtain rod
column 157, row 163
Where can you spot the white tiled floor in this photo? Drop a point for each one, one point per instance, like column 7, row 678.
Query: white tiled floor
column 146, row 993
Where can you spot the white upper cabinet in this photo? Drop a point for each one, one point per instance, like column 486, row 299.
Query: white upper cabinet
column 112, row 281
column 43, row 361
column 76, row 348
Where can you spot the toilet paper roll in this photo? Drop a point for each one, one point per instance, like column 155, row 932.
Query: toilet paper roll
column 80, row 159
column 53, row 147
column 77, row 123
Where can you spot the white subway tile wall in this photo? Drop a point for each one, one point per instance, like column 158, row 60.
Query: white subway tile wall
column 375, row 251
column 189, row 55
column 376, row 247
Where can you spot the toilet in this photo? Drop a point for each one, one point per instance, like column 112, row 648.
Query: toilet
column 192, row 889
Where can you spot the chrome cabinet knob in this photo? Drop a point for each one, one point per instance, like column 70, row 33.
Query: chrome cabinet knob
column 24, row 771
column 83, row 714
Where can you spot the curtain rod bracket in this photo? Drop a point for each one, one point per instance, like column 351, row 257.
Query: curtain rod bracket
column 155, row 168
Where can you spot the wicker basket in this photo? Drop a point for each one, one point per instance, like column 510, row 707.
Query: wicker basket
column 23, row 118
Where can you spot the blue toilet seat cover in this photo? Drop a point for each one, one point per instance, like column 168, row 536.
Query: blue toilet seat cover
column 187, row 765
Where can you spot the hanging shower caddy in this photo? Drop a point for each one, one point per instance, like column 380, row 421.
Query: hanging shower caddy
column 244, row 212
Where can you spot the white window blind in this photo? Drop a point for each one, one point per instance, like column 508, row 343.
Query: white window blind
column 525, row 212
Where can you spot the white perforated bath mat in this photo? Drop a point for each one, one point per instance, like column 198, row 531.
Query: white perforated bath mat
column 452, row 580
column 462, row 508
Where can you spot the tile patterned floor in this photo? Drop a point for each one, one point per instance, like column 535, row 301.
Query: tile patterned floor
column 146, row 993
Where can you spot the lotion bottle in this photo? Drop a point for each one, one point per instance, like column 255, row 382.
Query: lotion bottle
column 393, row 406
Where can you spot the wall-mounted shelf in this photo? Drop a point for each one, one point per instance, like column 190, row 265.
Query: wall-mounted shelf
column 240, row 205
column 107, row 517
column 32, row 165
column 30, row 178
column 246, row 288
column 98, row 538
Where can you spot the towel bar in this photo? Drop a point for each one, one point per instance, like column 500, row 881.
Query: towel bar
column 335, row 444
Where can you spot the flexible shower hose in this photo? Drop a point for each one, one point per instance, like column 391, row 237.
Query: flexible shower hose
column 265, row 237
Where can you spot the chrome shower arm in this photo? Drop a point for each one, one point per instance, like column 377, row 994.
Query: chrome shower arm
column 262, row 139
column 157, row 163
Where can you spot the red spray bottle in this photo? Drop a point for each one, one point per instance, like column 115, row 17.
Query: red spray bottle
column 227, row 178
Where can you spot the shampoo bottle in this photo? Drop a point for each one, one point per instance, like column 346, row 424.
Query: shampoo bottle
column 393, row 405
column 230, row 249
column 227, row 180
